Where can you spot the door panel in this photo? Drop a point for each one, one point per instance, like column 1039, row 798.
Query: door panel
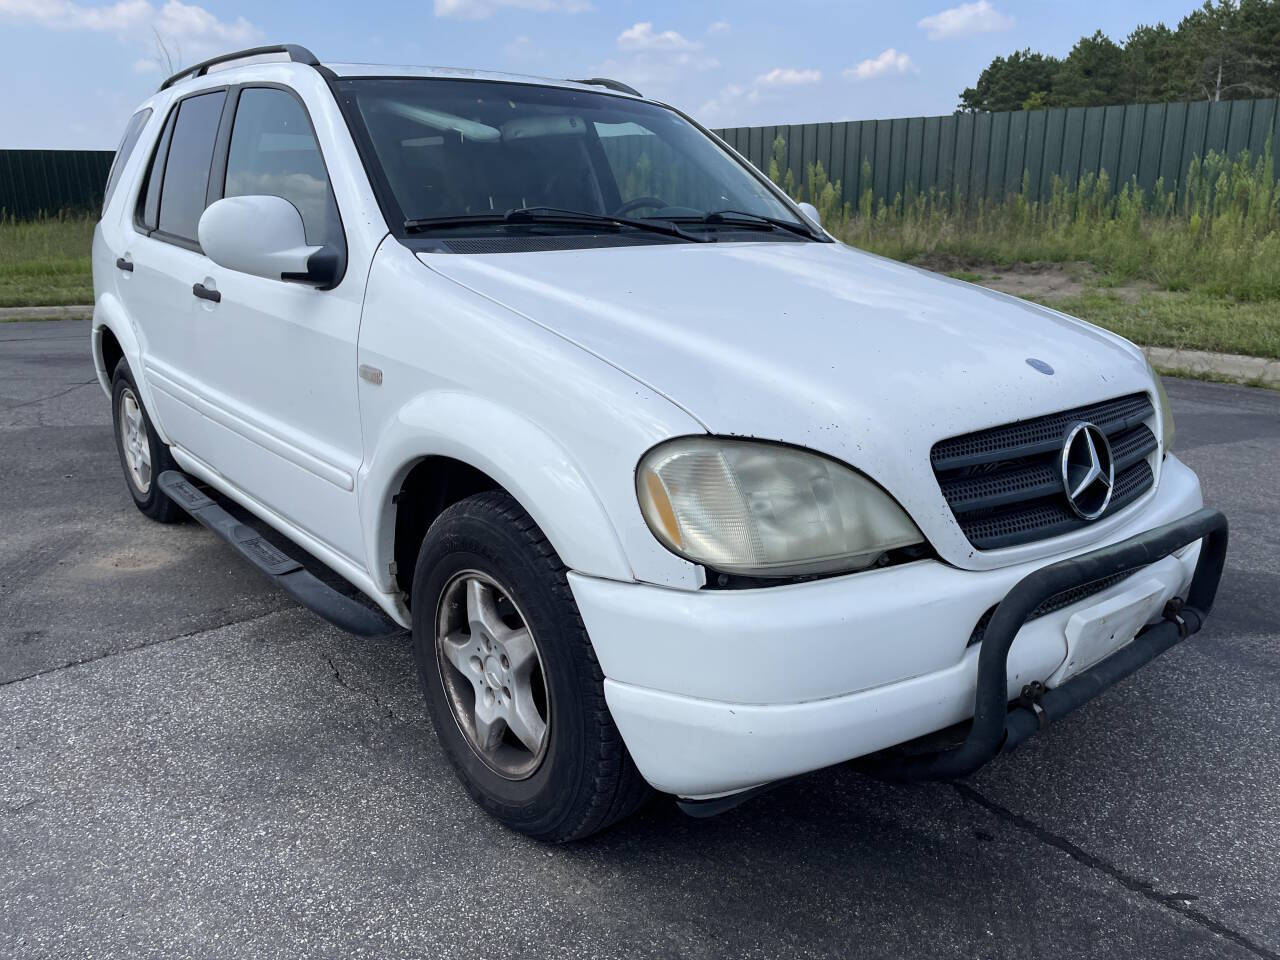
column 156, row 294
column 274, row 362
column 260, row 386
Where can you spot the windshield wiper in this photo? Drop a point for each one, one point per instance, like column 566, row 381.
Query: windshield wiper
column 549, row 215
column 741, row 218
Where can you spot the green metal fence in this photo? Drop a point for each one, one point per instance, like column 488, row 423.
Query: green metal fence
column 35, row 182
column 984, row 156
column 981, row 156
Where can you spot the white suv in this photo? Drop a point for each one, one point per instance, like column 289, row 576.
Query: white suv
column 673, row 490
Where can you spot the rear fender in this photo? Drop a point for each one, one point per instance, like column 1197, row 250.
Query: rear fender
column 109, row 314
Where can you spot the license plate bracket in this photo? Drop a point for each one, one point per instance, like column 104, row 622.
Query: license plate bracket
column 1098, row 631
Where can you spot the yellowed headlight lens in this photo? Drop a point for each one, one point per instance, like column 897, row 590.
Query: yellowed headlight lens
column 764, row 509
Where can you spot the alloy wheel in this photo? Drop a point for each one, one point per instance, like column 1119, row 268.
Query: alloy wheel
column 493, row 675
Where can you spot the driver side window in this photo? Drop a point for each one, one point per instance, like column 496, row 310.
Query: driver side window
column 273, row 152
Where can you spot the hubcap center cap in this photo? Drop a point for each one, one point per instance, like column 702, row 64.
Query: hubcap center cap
column 493, row 672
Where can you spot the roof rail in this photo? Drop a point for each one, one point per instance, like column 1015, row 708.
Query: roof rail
column 296, row 53
column 611, row 84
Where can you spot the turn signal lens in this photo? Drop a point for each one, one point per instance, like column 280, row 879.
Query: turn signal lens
column 1166, row 413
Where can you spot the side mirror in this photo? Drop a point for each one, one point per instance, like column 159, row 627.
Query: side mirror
column 810, row 211
column 264, row 236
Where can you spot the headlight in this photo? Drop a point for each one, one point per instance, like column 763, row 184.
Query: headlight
column 1166, row 413
column 765, row 510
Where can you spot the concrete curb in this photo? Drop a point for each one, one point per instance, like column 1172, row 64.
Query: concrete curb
column 1256, row 371
column 46, row 313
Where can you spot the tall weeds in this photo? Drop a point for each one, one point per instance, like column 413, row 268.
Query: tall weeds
column 1219, row 235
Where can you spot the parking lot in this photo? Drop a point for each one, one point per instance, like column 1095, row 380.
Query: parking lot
column 190, row 764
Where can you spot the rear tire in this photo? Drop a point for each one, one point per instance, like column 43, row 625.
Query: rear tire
column 486, row 554
column 143, row 456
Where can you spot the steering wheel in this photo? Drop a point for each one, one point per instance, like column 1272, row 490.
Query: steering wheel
column 639, row 203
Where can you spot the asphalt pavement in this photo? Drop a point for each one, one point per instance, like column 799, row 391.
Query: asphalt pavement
column 192, row 765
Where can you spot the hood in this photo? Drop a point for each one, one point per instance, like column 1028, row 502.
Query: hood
column 815, row 344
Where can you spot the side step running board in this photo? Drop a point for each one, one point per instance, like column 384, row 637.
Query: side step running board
column 308, row 589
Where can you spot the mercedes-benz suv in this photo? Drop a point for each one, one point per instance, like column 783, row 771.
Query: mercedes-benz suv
column 673, row 490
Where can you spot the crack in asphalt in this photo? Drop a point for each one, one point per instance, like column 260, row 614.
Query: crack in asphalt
column 1175, row 902
column 340, row 681
column 52, row 396
column 74, row 336
column 146, row 645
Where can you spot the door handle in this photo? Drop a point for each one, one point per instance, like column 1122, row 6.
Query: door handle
column 204, row 293
column 123, row 264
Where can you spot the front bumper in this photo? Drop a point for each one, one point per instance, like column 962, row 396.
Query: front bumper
column 719, row 691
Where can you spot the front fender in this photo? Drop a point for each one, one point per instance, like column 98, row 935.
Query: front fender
column 516, row 453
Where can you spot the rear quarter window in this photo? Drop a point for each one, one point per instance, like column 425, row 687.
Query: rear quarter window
column 130, row 140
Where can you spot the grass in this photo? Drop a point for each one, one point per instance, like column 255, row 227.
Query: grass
column 1199, row 269
column 1188, row 321
column 1196, row 269
column 46, row 262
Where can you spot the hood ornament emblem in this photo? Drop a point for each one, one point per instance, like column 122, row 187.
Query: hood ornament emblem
column 1040, row 366
column 1088, row 471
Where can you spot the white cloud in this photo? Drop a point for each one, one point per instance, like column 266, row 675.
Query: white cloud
column 174, row 20
column 889, row 62
column 658, row 74
column 966, row 19
column 189, row 31
column 788, row 77
column 720, row 26
column 641, row 36
column 483, row 9
column 521, row 48
column 728, row 103
column 657, row 63
column 64, row 15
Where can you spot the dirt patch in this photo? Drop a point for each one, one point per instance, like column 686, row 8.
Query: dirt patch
column 136, row 559
column 1036, row 281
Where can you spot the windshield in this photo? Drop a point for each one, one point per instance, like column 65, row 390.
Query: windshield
column 456, row 149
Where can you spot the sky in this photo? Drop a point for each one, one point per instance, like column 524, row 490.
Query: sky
column 72, row 72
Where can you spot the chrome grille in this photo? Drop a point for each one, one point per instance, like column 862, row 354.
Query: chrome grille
column 1004, row 484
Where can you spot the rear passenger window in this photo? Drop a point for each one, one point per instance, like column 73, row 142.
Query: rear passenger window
column 186, row 171
column 127, row 143
column 274, row 152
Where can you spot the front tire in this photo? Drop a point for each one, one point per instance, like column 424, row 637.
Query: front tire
column 510, row 677
column 143, row 456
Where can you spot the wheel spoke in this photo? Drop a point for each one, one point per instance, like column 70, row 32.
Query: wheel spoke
column 520, row 651
column 458, row 650
column 482, row 609
column 490, row 724
column 524, row 720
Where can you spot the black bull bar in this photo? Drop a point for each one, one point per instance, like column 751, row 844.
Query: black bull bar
column 999, row 726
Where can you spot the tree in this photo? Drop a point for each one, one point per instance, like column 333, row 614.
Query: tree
column 1227, row 51
column 1010, row 81
column 1152, row 68
column 1222, row 50
column 1093, row 73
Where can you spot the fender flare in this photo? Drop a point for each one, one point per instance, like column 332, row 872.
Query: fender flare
column 109, row 314
column 515, row 452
